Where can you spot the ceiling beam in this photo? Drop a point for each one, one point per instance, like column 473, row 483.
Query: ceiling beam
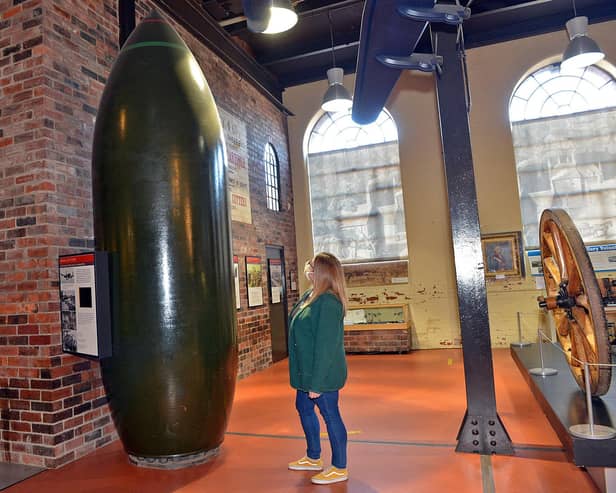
column 525, row 20
column 310, row 54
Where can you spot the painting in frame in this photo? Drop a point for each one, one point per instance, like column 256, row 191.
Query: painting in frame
column 254, row 281
column 502, row 255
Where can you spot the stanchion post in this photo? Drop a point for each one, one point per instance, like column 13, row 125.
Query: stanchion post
column 590, row 430
column 520, row 342
column 543, row 371
column 591, row 414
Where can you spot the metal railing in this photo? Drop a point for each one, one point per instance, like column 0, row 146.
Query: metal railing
column 589, row 430
column 524, row 327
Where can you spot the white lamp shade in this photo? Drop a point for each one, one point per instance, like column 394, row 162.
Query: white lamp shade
column 336, row 98
column 581, row 51
column 282, row 17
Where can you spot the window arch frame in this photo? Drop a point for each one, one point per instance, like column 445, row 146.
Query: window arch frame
column 312, row 124
column 602, row 66
column 271, row 165
column 560, row 158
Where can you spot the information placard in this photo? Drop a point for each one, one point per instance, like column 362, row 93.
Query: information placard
column 84, row 304
column 602, row 258
column 275, row 278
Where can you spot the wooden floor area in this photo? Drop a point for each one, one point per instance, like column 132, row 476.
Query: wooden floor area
column 402, row 413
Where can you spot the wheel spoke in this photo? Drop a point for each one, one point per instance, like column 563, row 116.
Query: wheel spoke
column 550, row 266
column 575, row 286
column 559, row 254
column 563, row 326
column 547, row 239
column 582, row 301
column 582, row 328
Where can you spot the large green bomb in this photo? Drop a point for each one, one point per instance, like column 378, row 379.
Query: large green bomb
column 160, row 209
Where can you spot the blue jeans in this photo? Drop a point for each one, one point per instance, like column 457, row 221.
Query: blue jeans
column 327, row 403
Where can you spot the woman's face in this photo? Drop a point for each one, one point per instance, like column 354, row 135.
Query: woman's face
column 309, row 270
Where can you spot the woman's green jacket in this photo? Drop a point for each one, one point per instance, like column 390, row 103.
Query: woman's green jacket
column 317, row 360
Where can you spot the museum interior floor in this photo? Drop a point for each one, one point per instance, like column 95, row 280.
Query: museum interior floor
column 402, row 413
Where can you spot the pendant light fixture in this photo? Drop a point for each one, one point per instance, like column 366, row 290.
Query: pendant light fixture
column 582, row 51
column 282, row 17
column 269, row 16
column 336, row 98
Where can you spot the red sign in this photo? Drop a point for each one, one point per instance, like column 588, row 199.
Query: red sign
column 78, row 259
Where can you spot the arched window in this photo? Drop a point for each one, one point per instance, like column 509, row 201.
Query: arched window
column 564, row 136
column 355, row 190
column 272, row 178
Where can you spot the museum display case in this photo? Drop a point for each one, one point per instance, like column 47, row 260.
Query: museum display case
column 377, row 328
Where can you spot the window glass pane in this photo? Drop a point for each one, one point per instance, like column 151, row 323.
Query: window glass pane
column 355, row 191
column 272, row 182
column 545, row 74
column 597, row 77
column 526, row 88
column 516, row 109
column 564, row 134
column 549, row 83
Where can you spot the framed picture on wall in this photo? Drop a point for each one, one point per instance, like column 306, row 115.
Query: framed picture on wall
column 236, row 281
column 254, row 281
column 502, row 255
column 275, row 279
column 293, row 280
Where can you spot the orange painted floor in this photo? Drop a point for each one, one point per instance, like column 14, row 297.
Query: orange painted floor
column 402, row 413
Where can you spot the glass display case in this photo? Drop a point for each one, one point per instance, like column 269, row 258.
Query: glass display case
column 377, row 317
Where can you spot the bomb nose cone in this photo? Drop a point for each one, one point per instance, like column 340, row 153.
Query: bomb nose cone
column 153, row 29
column 153, row 14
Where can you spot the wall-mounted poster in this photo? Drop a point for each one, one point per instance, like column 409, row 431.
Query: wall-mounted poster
column 254, row 281
column 84, row 312
column 238, row 182
column 236, row 279
column 293, row 279
column 534, row 261
column 602, row 258
column 275, row 278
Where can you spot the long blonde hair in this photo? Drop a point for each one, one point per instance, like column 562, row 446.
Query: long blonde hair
column 328, row 276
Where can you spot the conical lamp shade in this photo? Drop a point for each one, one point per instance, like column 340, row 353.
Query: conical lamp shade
column 336, row 98
column 582, row 51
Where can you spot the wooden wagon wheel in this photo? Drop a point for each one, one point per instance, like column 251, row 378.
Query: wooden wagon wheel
column 574, row 298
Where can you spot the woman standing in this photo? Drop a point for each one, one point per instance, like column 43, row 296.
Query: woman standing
column 317, row 365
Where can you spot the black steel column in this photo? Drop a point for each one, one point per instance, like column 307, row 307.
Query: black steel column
column 126, row 19
column 482, row 430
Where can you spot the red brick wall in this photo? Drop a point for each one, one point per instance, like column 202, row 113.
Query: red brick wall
column 377, row 341
column 55, row 56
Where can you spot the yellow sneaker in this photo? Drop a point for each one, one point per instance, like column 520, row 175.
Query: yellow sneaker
column 331, row 475
column 306, row 464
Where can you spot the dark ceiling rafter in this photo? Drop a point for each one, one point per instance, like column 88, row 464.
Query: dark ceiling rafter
column 303, row 54
column 322, row 51
column 524, row 21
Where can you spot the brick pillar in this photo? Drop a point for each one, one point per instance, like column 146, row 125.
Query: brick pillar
column 53, row 405
column 55, row 56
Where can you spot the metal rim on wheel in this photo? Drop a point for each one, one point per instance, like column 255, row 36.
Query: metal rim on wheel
column 574, row 298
